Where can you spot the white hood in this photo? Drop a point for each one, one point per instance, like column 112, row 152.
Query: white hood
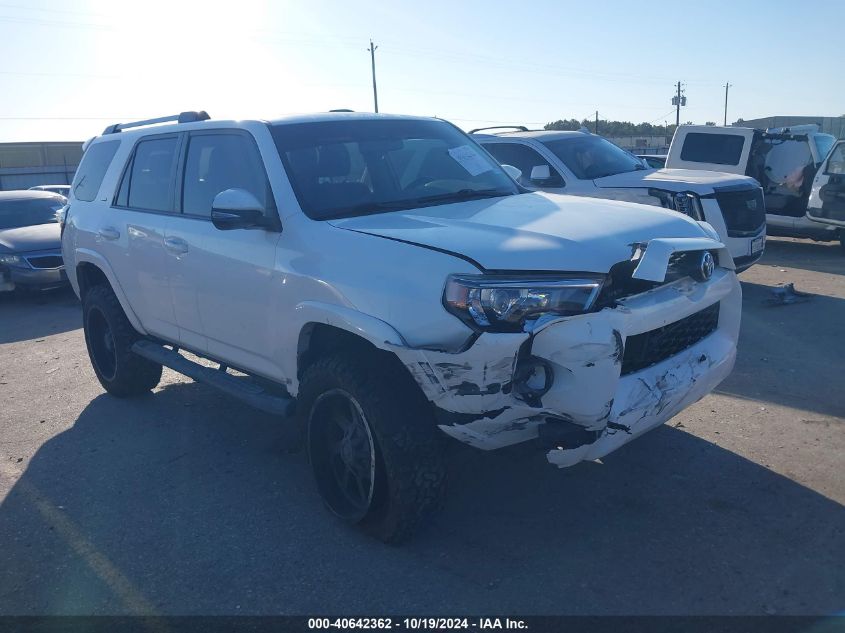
column 696, row 180
column 531, row 232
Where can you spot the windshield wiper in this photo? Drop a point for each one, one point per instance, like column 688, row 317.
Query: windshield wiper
column 462, row 194
column 367, row 208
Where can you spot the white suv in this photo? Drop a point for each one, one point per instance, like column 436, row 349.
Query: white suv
column 584, row 164
column 380, row 278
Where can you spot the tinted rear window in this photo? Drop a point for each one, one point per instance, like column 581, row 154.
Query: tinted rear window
column 89, row 176
column 151, row 175
column 718, row 149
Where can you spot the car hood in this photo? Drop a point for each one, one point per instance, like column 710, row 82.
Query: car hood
column 40, row 237
column 696, row 180
column 535, row 231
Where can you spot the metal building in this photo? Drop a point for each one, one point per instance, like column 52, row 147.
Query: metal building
column 24, row 165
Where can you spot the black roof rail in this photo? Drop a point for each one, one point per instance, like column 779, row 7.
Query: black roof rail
column 182, row 117
column 520, row 128
column 342, row 110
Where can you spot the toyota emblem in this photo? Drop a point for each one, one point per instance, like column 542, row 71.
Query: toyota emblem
column 706, row 266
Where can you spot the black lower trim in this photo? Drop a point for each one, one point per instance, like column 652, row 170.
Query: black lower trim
column 649, row 348
column 746, row 261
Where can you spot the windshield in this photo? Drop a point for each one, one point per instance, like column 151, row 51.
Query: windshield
column 356, row 167
column 590, row 156
column 29, row 211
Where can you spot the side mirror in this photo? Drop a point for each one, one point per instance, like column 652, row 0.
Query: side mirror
column 237, row 209
column 540, row 173
column 513, row 172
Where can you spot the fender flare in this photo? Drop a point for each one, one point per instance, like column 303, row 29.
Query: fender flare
column 84, row 255
column 372, row 329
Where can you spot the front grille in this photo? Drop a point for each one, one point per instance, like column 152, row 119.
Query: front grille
column 649, row 348
column 45, row 261
column 620, row 282
column 744, row 210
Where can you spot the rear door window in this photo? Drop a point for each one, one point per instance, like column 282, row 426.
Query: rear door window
column 221, row 161
column 149, row 182
column 91, row 171
column 717, row 149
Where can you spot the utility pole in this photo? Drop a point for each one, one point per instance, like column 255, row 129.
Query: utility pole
column 597, row 121
column 678, row 101
column 372, row 50
column 678, row 107
column 727, row 86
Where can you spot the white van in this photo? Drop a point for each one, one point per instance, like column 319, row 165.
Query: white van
column 785, row 161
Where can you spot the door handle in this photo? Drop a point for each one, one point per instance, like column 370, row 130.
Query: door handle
column 109, row 233
column 176, row 245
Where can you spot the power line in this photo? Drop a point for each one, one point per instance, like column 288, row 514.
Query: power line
column 68, row 118
column 319, row 40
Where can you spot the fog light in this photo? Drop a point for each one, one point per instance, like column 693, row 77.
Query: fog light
column 533, row 377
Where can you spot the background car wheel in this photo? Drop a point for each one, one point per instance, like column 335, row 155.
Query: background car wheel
column 109, row 337
column 372, row 444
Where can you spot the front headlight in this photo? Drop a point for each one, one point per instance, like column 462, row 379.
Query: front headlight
column 684, row 202
column 689, row 204
column 500, row 303
column 11, row 260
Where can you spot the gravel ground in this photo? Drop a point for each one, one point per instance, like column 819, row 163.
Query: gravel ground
column 185, row 502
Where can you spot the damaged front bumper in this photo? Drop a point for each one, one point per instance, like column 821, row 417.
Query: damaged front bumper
column 570, row 381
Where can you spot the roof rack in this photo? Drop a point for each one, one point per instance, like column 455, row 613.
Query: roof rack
column 182, row 117
column 342, row 110
column 520, row 128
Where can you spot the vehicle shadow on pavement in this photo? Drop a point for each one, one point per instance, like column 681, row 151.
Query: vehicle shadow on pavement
column 802, row 338
column 823, row 257
column 182, row 502
column 32, row 315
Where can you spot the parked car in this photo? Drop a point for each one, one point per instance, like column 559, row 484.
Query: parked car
column 827, row 197
column 59, row 189
column 785, row 161
column 30, row 244
column 654, row 161
column 386, row 283
column 584, row 164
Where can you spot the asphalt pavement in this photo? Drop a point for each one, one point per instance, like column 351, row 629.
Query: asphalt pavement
column 186, row 502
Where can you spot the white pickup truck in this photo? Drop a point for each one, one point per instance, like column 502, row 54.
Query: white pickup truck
column 787, row 162
column 385, row 284
column 584, row 164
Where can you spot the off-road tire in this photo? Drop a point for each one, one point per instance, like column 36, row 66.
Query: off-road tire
column 410, row 474
column 130, row 375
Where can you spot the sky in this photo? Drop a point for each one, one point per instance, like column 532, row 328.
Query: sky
column 68, row 68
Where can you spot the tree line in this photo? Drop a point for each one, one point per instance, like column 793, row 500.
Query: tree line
column 616, row 128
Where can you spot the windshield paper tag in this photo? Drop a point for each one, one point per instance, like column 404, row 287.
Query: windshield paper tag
column 470, row 160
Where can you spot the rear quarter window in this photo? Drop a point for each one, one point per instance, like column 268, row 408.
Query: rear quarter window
column 91, row 171
column 718, row 149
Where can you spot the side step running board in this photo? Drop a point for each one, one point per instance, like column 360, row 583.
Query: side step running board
column 247, row 392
